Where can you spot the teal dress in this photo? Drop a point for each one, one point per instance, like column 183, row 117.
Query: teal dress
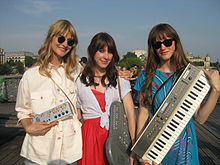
column 185, row 149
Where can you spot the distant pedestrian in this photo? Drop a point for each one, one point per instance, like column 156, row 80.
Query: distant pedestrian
column 134, row 93
column 83, row 61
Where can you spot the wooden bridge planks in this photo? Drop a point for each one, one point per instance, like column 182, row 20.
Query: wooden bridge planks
column 10, row 151
column 208, row 140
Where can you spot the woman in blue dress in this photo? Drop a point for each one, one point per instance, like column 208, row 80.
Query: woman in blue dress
column 165, row 57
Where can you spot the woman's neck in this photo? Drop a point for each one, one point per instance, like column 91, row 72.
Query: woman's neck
column 56, row 61
column 166, row 67
column 99, row 72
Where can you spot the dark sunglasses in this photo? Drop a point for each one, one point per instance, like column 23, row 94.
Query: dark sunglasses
column 167, row 43
column 70, row 42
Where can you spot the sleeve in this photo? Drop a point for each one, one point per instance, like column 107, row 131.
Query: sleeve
column 78, row 102
column 23, row 101
column 140, row 81
column 125, row 87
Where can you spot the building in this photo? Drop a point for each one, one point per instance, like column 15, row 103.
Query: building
column 17, row 56
column 2, row 56
column 207, row 61
column 203, row 62
column 142, row 54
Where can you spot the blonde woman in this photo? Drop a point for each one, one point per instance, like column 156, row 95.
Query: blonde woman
column 46, row 85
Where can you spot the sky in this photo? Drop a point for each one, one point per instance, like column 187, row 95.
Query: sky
column 24, row 23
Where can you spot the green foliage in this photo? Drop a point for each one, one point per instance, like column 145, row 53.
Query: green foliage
column 198, row 63
column 11, row 63
column 20, row 67
column 129, row 60
column 12, row 67
column 5, row 69
column 29, row 61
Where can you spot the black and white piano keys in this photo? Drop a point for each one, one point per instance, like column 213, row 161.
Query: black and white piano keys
column 179, row 120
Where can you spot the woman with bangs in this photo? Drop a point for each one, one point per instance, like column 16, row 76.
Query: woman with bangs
column 165, row 57
column 97, row 88
column 46, row 85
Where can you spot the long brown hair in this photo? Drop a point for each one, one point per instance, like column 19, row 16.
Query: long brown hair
column 178, row 59
column 98, row 42
column 60, row 27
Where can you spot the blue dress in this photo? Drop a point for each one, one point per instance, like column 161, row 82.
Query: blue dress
column 185, row 149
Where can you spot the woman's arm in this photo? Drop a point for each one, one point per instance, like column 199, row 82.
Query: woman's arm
column 207, row 107
column 37, row 128
column 143, row 115
column 126, row 74
column 131, row 115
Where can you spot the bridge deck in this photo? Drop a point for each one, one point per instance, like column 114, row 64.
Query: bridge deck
column 11, row 138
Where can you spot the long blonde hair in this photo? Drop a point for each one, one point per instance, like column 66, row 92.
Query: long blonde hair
column 60, row 27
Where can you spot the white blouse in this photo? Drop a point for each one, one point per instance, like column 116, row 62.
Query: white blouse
column 87, row 102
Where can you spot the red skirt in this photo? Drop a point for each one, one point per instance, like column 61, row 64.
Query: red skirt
column 94, row 138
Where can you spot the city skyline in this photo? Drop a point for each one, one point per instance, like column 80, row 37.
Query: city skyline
column 24, row 23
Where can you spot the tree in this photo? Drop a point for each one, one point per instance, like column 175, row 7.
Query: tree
column 20, row 67
column 5, row 69
column 198, row 63
column 129, row 60
column 11, row 62
column 29, row 61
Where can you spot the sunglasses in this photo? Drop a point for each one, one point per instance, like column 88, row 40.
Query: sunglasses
column 167, row 43
column 70, row 42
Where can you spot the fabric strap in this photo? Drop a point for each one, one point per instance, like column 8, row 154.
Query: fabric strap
column 119, row 90
column 175, row 77
column 75, row 111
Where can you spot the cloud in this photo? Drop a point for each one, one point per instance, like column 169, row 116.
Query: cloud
column 35, row 7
